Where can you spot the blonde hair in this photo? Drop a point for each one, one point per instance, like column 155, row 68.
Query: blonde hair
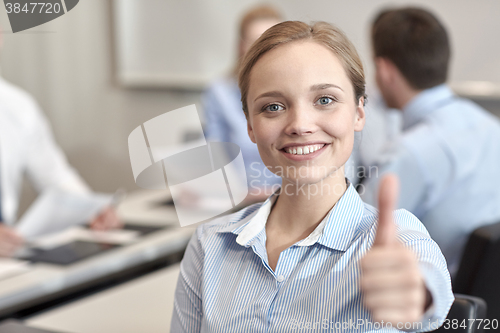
column 322, row 33
column 261, row 12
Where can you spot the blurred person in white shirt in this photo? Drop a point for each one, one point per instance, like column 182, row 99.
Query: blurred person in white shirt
column 27, row 147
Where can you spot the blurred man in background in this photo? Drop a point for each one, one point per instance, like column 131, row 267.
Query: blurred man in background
column 448, row 155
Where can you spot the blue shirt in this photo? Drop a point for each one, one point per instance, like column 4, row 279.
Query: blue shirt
column 226, row 284
column 447, row 159
column 225, row 121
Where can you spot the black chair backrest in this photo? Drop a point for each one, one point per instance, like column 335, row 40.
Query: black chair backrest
column 479, row 271
column 467, row 315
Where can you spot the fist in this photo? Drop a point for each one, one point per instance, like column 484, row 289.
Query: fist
column 10, row 241
column 106, row 220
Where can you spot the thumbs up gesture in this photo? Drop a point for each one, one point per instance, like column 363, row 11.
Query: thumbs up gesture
column 393, row 287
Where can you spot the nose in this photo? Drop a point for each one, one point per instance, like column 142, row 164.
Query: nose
column 300, row 121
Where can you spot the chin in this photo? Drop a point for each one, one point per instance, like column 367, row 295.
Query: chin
column 311, row 186
column 303, row 181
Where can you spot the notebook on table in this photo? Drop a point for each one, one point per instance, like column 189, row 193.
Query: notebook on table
column 70, row 253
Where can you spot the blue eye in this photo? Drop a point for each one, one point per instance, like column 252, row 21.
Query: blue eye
column 273, row 107
column 324, row 100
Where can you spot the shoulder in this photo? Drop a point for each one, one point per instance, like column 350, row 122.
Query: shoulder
column 408, row 226
column 226, row 224
column 462, row 108
column 420, row 137
column 455, row 136
column 223, row 86
column 12, row 94
column 222, row 97
column 17, row 104
column 426, row 148
column 461, row 117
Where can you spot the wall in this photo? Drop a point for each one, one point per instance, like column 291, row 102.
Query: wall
column 183, row 32
column 68, row 66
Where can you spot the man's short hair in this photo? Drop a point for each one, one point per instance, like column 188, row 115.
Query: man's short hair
column 416, row 42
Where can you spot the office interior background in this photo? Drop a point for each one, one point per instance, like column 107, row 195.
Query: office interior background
column 78, row 69
column 107, row 66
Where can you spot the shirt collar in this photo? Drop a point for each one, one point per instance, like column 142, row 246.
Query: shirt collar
column 335, row 231
column 257, row 218
column 424, row 103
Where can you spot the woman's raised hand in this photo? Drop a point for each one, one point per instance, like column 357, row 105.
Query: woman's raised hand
column 391, row 281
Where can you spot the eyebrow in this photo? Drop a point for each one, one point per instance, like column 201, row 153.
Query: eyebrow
column 316, row 87
column 320, row 86
column 323, row 86
column 269, row 94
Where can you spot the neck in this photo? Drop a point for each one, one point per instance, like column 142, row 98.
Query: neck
column 405, row 97
column 402, row 93
column 301, row 207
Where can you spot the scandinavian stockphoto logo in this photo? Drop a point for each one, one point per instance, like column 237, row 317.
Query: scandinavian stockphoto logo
column 26, row 14
column 205, row 179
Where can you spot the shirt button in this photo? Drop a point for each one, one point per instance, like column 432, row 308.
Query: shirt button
column 280, row 278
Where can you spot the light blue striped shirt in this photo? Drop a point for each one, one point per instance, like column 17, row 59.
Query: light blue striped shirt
column 447, row 160
column 226, row 284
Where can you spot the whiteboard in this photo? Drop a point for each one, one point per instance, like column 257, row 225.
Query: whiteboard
column 187, row 43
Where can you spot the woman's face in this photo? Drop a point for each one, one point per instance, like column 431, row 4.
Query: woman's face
column 302, row 112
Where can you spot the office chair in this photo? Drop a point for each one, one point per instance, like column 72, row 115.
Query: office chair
column 466, row 315
column 479, row 271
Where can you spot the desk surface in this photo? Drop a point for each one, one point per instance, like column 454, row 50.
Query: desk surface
column 146, row 206
column 44, row 280
column 143, row 305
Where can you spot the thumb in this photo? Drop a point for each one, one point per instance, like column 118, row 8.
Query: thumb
column 387, row 199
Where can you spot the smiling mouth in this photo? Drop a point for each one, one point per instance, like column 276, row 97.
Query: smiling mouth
column 303, row 150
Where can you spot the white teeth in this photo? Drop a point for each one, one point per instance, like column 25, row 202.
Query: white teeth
column 305, row 149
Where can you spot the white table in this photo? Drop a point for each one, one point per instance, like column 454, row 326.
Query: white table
column 144, row 206
column 43, row 281
column 143, row 305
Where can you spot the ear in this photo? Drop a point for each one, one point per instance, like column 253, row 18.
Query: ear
column 387, row 71
column 359, row 121
column 250, row 131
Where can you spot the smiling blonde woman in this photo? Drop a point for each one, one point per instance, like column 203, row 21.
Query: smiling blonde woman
column 312, row 257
